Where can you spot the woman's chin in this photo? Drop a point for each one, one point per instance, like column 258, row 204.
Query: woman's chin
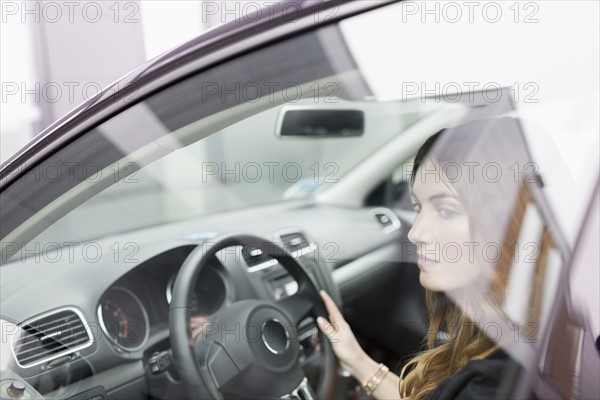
column 429, row 282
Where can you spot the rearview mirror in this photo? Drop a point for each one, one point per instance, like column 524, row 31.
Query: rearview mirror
column 321, row 123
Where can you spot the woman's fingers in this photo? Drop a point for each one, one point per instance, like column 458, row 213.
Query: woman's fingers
column 322, row 323
column 327, row 328
column 335, row 314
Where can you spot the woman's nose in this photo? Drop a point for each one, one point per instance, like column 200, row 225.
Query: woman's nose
column 420, row 232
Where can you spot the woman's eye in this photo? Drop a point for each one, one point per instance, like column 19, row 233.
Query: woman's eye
column 447, row 213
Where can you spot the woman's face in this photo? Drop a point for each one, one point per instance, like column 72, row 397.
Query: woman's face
column 441, row 232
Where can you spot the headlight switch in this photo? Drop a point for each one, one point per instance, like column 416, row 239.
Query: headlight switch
column 14, row 389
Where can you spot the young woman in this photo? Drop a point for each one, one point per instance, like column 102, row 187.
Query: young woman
column 468, row 191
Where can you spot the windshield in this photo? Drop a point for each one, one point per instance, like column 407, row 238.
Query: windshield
column 230, row 169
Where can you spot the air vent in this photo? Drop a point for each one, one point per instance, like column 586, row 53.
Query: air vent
column 255, row 258
column 387, row 219
column 294, row 241
column 51, row 336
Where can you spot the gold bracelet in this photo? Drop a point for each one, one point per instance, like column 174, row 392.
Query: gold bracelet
column 371, row 384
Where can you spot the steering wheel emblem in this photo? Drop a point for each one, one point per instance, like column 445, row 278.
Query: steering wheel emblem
column 275, row 337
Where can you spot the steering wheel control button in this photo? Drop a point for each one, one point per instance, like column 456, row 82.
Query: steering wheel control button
column 159, row 362
column 275, row 336
column 303, row 391
column 154, row 365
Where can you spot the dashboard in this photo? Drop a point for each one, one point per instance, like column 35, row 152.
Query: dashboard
column 100, row 331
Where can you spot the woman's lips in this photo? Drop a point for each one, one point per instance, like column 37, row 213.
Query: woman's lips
column 425, row 262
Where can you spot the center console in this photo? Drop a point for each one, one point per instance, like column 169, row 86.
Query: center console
column 274, row 282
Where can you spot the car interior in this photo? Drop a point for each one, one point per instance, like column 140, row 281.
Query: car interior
column 206, row 195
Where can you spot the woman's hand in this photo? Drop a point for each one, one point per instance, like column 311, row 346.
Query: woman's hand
column 351, row 355
column 339, row 334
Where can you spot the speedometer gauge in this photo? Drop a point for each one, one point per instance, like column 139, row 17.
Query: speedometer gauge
column 123, row 319
column 209, row 295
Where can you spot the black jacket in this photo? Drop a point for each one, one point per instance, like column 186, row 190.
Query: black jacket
column 479, row 379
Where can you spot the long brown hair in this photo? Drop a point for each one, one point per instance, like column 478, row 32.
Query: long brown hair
column 440, row 361
column 453, row 339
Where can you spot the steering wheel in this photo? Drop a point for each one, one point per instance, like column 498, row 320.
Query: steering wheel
column 249, row 349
